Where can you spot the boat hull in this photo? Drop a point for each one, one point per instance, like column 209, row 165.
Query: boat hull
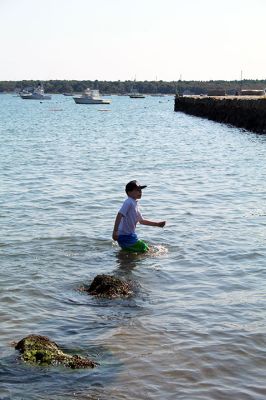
column 82, row 100
column 136, row 96
column 35, row 97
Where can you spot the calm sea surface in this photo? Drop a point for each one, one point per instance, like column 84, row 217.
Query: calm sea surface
column 195, row 329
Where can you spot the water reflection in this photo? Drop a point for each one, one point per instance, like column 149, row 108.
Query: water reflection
column 126, row 262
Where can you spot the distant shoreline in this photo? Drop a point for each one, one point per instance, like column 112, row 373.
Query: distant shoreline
column 124, row 87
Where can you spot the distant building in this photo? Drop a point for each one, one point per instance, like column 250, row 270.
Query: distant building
column 216, row 92
column 252, row 92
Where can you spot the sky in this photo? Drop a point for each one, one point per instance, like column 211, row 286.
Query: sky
column 132, row 39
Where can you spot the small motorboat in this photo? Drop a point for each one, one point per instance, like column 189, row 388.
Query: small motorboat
column 36, row 94
column 136, row 95
column 90, row 96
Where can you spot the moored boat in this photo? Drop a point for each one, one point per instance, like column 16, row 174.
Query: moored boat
column 136, row 95
column 90, row 96
column 36, row 94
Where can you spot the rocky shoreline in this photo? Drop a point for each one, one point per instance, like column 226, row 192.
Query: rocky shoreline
column 247, row 112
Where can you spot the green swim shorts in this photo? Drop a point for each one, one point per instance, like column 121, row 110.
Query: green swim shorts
column 139, row 247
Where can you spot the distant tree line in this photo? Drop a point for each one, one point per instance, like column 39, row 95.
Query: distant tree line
column 123, row 87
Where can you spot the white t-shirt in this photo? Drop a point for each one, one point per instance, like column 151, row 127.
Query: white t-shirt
column 131, row 215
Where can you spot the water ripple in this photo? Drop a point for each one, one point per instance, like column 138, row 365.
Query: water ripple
column 195, row 329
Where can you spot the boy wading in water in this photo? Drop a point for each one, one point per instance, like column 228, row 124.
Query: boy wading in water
column 127, row 218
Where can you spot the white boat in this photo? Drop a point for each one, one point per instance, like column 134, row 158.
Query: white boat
column 90, row 96
column 36, row 94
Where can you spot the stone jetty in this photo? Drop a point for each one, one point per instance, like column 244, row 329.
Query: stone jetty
column 247, row 112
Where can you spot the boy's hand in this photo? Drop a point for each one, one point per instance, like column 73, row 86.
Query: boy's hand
column 115, row 235
column 161, row 224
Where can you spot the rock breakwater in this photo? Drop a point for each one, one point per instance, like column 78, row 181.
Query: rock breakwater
column 241, row 111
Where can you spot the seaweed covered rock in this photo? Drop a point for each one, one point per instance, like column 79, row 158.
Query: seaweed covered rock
column 37, row 349
column 109, row 286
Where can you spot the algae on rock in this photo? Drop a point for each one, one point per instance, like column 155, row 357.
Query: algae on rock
column 109, row 286
column 40, row 350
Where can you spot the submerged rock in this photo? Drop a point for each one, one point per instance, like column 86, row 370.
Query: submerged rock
column 109, row 286
column 40, row 350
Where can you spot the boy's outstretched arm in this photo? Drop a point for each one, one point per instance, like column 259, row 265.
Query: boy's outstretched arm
column 160, row 224
column 116, row 225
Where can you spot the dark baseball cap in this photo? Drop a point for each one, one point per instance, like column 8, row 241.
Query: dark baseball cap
column 132, row 185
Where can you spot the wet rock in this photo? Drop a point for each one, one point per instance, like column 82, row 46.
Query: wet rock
column 40, row 350
column 109, row 286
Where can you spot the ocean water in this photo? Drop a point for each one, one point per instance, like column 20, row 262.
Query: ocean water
column 195, row 328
